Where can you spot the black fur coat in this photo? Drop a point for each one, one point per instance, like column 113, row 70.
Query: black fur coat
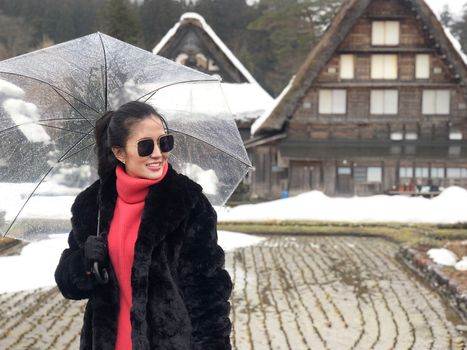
column 180, row 287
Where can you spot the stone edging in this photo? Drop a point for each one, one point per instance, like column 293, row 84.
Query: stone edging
column 433, row 273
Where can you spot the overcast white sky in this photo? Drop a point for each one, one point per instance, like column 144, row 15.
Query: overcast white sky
column 454, row 5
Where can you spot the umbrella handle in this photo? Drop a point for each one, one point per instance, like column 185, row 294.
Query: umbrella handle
column 101, row 274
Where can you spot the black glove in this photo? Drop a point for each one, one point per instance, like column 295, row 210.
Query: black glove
column 95, row 249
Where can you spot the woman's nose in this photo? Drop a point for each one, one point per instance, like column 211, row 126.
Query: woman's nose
column 156, row 152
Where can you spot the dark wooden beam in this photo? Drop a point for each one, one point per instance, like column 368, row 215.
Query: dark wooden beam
column 386, row 84
column 393, row 50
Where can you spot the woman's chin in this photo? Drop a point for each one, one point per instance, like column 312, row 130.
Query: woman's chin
column 153, row 173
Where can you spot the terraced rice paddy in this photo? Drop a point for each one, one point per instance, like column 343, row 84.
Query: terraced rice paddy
column 289, row 293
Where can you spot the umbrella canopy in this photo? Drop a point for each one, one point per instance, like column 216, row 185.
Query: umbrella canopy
column 50, row 100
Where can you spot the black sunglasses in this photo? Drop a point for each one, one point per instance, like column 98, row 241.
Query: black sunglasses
column 146, row 146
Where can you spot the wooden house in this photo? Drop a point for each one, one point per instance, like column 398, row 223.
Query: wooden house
column 378, row 106
column 194, row 43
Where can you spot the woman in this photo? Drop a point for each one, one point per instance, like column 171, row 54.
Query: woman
column 167, row 288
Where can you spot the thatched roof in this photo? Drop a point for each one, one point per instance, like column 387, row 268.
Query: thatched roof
column 345, row 19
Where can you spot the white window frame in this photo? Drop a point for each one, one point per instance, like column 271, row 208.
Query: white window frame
column 384, row 67
column 347, row 67
column 337, row 101
column 384, row 102
column 385, row 33
column 422, row 66
column 434, row 102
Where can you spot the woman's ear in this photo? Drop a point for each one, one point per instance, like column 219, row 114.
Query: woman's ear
column 119, row 153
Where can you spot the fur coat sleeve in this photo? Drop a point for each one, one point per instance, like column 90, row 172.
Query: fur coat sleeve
column 205, row 284
column 70, row 274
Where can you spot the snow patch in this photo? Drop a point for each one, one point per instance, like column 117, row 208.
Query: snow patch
column 443, row 256
column 461, row 265
column 35, row 266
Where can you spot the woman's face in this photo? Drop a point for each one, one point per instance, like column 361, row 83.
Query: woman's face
column 149, row 167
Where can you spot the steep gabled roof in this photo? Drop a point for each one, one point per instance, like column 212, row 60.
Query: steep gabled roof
column 196, row 18
column 345, row 19
column 247, row 100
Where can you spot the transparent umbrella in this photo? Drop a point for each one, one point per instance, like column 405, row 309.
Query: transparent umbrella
column 50, row 100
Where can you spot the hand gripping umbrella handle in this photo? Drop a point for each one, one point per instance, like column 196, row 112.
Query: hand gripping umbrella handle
column 101, row 274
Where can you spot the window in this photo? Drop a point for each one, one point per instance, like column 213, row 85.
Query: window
column 347, row 67
column 375, row 174
column 384, row 102
column 421, row 172
column 399, row 136
column 422, row 66
column 456, row 173
column 359, row 174
column 344, row 171
column 406, row 172
column 455, row 134
column 437, row 173
column 436, row 102
column 368, row 175
column 332, row 101
column 384, row 67
column 411, row 135
column 385, row 33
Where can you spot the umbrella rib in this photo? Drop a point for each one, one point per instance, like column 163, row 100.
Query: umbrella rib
column 52, row 86
column 27, row 200
column 63, row 157
column 152, row 93
column 74, row 106
column 105, row 71
column 42, row 180
column 64, row 129
column 207, row 143
column 37, row 121
column 76, row 152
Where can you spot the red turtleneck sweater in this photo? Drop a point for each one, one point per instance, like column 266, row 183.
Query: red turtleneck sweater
column 122, row 237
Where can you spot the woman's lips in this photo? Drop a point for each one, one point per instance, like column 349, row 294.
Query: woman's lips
column 154, row 166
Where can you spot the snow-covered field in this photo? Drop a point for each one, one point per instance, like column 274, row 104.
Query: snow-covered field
column 35, row 267
column 447, row 208
column 39, row 259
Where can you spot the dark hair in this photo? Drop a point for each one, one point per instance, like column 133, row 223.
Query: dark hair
column 113, row 128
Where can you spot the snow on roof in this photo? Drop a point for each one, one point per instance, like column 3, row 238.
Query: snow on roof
column 257, row 124
column 246, row 101
column 207, row 28
column 455, row 43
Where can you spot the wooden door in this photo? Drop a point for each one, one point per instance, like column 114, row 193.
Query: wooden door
column 304, row 176
column 344, row 181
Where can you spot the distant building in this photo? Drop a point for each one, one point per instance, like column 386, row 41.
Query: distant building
column 192, row 42
column 379, row 105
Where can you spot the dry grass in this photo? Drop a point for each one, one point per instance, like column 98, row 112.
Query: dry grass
column 415, row 234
